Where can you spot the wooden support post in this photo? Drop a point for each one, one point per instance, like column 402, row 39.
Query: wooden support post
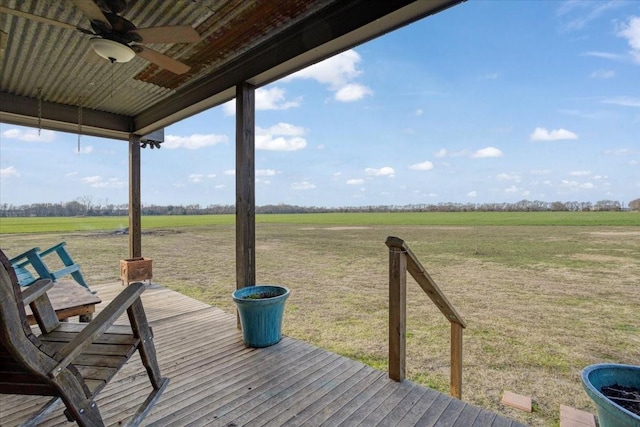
column 245, row 186
column 135, row 206
column 397, row 313
column 456, row 360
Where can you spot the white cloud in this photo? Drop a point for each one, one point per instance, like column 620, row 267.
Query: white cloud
column 97, row 181
column 355, row 181
column 419, row 112
column 618, row 152
column 71, row 174
column 338, row 73
column 352, row 92
column 512, row 189
column 631, row 32
column 604, row 55
column 281, row 129
column 269, row 143
column 443, row 152
column 8, row 172
column 334, row 72
column 274, row 99
column 487, row 152
column 508, row 177
column 542, row 134
column 303, row 185
column 196, row 177
column 625, row 101
column 193, row 142
column 266, row 172
column 230, row 172
column 472, row 194
column 540, row 171
column 384, row 171
column 92, row 179
column 603, row 74
column 578, row 14
column 280, row 137
column 29, row 135
column 575, row 184
column 580, row 173
column 440, row 153
column 490, row 76
column 424, row 166
column 84, row 149
column 266, row 99
column 199, row 177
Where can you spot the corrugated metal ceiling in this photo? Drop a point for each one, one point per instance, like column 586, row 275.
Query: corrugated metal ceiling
column 45, row 67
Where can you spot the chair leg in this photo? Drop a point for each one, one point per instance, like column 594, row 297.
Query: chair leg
column 79, row 403
column 42, row 413
column 77, row 276
column 146, row 406
column 141, row 329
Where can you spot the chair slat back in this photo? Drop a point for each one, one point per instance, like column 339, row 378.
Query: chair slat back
column 19, row 347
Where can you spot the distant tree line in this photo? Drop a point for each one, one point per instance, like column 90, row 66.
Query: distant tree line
column 85, row 206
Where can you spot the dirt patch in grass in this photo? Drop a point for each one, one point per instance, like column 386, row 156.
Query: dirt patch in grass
column 334, row 228
column 541, row 303
column 602, row 258
column 616, row 233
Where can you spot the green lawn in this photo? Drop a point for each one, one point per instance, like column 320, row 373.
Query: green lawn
column 66, row 224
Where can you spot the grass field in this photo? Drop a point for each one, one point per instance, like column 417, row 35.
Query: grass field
column 542, row 298
column 67, row 224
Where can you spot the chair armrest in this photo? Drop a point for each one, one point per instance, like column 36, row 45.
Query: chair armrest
column 98, row 326
column 55, row 248
column 32, row 256
column 32, row 292
column 26, row 255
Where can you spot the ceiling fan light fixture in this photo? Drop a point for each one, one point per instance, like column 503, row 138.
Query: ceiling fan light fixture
column 111, row 50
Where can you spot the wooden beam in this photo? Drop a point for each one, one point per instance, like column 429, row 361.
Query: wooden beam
column 397, row 313
column 135, row 206
column 245, row 186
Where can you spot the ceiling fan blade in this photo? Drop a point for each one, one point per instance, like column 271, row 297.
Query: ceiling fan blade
column 162, row 60
column 36, row 18
column 168, row 34
column 92, row 11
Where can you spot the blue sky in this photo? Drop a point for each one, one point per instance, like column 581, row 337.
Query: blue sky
column 490, row 101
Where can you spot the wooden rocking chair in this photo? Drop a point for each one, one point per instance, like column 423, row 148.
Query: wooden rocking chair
column 68, row 361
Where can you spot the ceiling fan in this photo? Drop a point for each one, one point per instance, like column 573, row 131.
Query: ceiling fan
column 119, row 40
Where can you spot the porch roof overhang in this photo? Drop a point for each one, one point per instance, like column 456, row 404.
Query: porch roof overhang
column 50, row 78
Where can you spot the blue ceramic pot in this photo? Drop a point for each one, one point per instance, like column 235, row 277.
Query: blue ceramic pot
column 595, row 377
column 260, row 309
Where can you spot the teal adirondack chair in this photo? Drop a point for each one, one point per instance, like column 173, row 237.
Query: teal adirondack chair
column 35, row 258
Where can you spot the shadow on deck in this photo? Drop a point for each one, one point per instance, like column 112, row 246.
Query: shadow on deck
column 217, row 381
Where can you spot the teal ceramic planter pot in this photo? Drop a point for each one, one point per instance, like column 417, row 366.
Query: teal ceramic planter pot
column 260, row 309
column 595, row 377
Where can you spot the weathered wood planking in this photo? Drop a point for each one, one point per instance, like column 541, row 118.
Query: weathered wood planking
column 217, row 381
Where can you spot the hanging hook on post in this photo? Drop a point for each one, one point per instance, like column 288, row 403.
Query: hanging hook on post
column 39, row 110
column 79, row 121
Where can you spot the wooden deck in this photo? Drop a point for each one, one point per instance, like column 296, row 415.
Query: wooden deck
column 216, row 381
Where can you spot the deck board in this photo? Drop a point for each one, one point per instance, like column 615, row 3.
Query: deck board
column 217, row 381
